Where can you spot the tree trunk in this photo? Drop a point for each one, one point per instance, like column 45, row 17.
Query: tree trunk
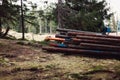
column 6, row 32
column 0, row 26
column 22, row 21
column 59, row 13
column 40, row 26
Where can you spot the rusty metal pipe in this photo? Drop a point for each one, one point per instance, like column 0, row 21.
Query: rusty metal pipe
column 98, row 38
column 94, row 41
column 101, row 47
column 78, row 51
column 91, row 34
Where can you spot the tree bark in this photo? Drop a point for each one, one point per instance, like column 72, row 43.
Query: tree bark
column 6, row 32
column 22, row 21
column 0, row 26
column 59, row 13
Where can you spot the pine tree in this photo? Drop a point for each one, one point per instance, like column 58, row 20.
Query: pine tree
column 8, row 16
column 85, row 15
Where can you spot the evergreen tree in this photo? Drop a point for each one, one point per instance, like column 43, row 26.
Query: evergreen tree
column 8, row 16
column 85, row 15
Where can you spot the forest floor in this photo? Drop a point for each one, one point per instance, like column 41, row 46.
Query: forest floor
column 22, row 60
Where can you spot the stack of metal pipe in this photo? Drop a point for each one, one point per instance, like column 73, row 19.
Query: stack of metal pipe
column 83, row 42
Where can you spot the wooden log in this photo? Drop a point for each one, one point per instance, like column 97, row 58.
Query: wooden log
column 79, row 51
column 73, row 34
column 101, row 47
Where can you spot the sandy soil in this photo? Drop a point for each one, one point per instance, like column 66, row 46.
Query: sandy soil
column 30, row 36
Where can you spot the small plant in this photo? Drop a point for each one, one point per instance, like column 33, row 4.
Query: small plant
column 17, row 69
column 0, row 44
column 44, row 42
column 117, row 69
column 3, row 61
column 51, row 66
column 35, row 68
column 78, row 76
column 21, row 43
column 99, row 67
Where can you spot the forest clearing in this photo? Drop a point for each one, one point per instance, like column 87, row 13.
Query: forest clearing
column 26, row 62
column 59, row 40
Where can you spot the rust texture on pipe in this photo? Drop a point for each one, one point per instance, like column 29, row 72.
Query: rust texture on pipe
column 75, row 41
column 100, row 46
column 98, row 38
column 91, row 34
column 71, row 30
column 66, row 30
column 51, row 38
column 79, row 51
column 88, row 46
column 61, row 36
column 94, row 41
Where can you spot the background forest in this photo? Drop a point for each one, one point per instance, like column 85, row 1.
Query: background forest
column 58, row 41
column 87, row 15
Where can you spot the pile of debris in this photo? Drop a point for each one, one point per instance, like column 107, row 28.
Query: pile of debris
column 82, row 42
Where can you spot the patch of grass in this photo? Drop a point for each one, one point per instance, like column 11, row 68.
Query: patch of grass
column 44, row 42
column 3, row 61
column 78, row 76
column 10, row 37
column 36, row 68
column 34, row 41
column 117, row 69
column 99, row 67
column 30, row 68
column 2, row 44
column 23, row 40
column 28, row 43
column 50, row 66
column 16, row 69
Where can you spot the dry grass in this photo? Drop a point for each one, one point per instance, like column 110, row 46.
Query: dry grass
column 21, row 62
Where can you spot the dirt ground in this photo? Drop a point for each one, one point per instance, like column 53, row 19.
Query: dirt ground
column 30, row 36
column 28, row 62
